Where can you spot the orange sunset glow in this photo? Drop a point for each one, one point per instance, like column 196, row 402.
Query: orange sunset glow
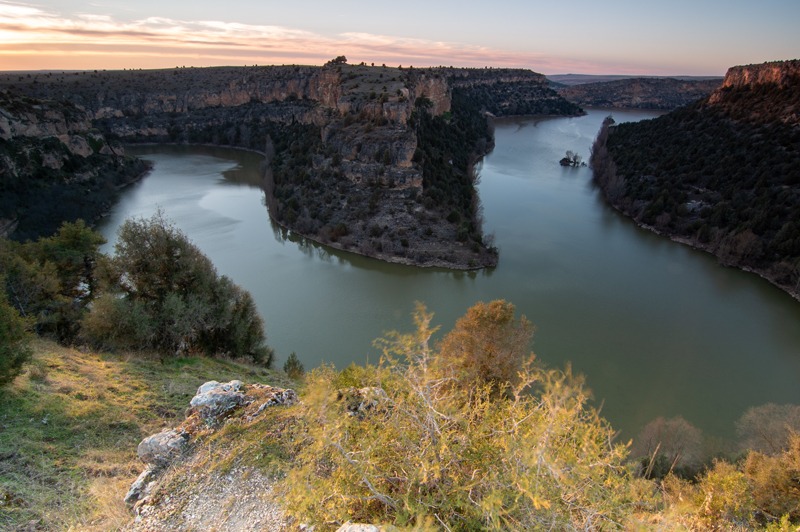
column 34, row 39
column 584, row 37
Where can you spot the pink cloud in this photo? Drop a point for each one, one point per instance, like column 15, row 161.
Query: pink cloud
column 31, row 38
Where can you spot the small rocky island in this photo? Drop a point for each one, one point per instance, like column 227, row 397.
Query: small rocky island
column 375, row 160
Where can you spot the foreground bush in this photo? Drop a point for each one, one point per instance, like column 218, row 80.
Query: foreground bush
column 442, row 449
column 163, row 293
column 14, row 348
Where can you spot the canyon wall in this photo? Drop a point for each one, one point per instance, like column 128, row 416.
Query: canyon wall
column 345, row 141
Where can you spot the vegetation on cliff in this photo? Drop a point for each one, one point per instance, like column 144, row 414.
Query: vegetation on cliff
column 722, row 174
column 340, row 140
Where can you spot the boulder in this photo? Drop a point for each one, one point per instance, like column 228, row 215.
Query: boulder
column 359, row 527
column 161, row 449
column 213, row 399
column 141, row 486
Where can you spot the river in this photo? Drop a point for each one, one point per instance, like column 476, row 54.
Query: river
column 658, row 329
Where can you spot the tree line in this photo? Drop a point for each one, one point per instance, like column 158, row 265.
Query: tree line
column 730, row 186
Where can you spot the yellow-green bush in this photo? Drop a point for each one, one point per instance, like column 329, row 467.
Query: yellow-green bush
column 776, row 481
column 454, row 452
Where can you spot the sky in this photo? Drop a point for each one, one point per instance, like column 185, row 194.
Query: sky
column 641, row 37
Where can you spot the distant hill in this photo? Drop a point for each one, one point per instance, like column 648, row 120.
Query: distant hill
column 641, row 93
column 569, row 80
column 722, row 174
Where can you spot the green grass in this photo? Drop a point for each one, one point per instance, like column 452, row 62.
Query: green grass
column 69, row 427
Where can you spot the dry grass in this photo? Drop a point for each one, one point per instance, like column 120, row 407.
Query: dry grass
column 69, row 427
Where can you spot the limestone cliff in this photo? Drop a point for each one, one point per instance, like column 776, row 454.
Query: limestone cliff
column 344, row 141
column 783, row 74
column 761, row 93
column 55, row 167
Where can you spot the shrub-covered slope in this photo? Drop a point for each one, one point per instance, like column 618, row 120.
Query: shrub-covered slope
column 722, row 174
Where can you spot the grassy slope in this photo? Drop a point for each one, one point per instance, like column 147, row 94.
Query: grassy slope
column 70, row 425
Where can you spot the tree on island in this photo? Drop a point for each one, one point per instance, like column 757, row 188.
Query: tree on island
column 572, row 159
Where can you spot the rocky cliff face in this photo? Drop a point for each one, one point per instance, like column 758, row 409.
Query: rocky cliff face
column 346, row 159
column 780, row 73
column 49, row 156
column 761, row 94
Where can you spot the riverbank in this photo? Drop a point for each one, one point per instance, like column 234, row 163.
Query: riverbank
column 671, row 177
column 696, row 244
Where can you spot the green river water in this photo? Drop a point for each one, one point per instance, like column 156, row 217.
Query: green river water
column 657, row 328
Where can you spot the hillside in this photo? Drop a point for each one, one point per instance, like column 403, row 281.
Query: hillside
column 71, row 423
column 226, row 446
column 375, row 160
column 722, row 174
column 640, row 93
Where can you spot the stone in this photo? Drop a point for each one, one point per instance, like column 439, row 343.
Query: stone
column 141, row 486
column 163, row 448
column 213, row 399
column 358, row 527
column 359, row 401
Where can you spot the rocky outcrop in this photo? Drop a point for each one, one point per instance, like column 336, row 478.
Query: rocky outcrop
column 212, row 405
column 760, row 94
column 160, row 449
column 51, row 155
column 782, row 74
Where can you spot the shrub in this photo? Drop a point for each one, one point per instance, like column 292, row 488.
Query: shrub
column 14, row 338
column 767, row 428
column 164, row 293
column 487, row 345
column 726, row 496
column 52, row 280
column 776, row 481
column 439, row 451
column 669, row 446
column 118, row 323
column 293, row 367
